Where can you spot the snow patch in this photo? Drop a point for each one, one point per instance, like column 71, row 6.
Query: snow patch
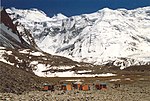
column 37, row 54
column 73, row 74
column 62, row 67
column 84, row 71
column 2, row 58
column 38, row 70
column 115, row 80
column 75, row 80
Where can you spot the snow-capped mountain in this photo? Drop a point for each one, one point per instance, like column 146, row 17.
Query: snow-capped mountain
column 17, row 53
column 107, row 37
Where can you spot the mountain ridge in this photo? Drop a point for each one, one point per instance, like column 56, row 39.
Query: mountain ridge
column 104, row 37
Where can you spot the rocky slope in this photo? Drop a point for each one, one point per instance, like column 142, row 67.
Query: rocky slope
column 9, row 35
column 15, row 80
column 116, row 37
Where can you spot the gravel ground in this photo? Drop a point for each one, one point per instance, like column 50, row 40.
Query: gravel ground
column 139, row 91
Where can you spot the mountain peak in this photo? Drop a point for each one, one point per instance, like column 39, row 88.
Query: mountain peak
column 31, row 15
column 59, row 16
column 106, row 9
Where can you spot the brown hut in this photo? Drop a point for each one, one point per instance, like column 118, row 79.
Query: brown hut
column 97, row 86
column 66, row 87
column 84, row 87
column 47, row 87
column 77, row 85
column 101, row 86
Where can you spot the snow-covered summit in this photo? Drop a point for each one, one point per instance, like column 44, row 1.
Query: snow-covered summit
column 59, row 16
column 33, row 15
column 117, row 37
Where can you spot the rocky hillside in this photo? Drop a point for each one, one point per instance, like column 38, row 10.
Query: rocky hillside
column 16, row 80
column 117, row 37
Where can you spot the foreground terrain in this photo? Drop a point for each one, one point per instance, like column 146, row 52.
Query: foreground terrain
column 133, row 87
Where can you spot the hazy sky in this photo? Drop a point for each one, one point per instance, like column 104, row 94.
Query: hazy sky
column 73, row 7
